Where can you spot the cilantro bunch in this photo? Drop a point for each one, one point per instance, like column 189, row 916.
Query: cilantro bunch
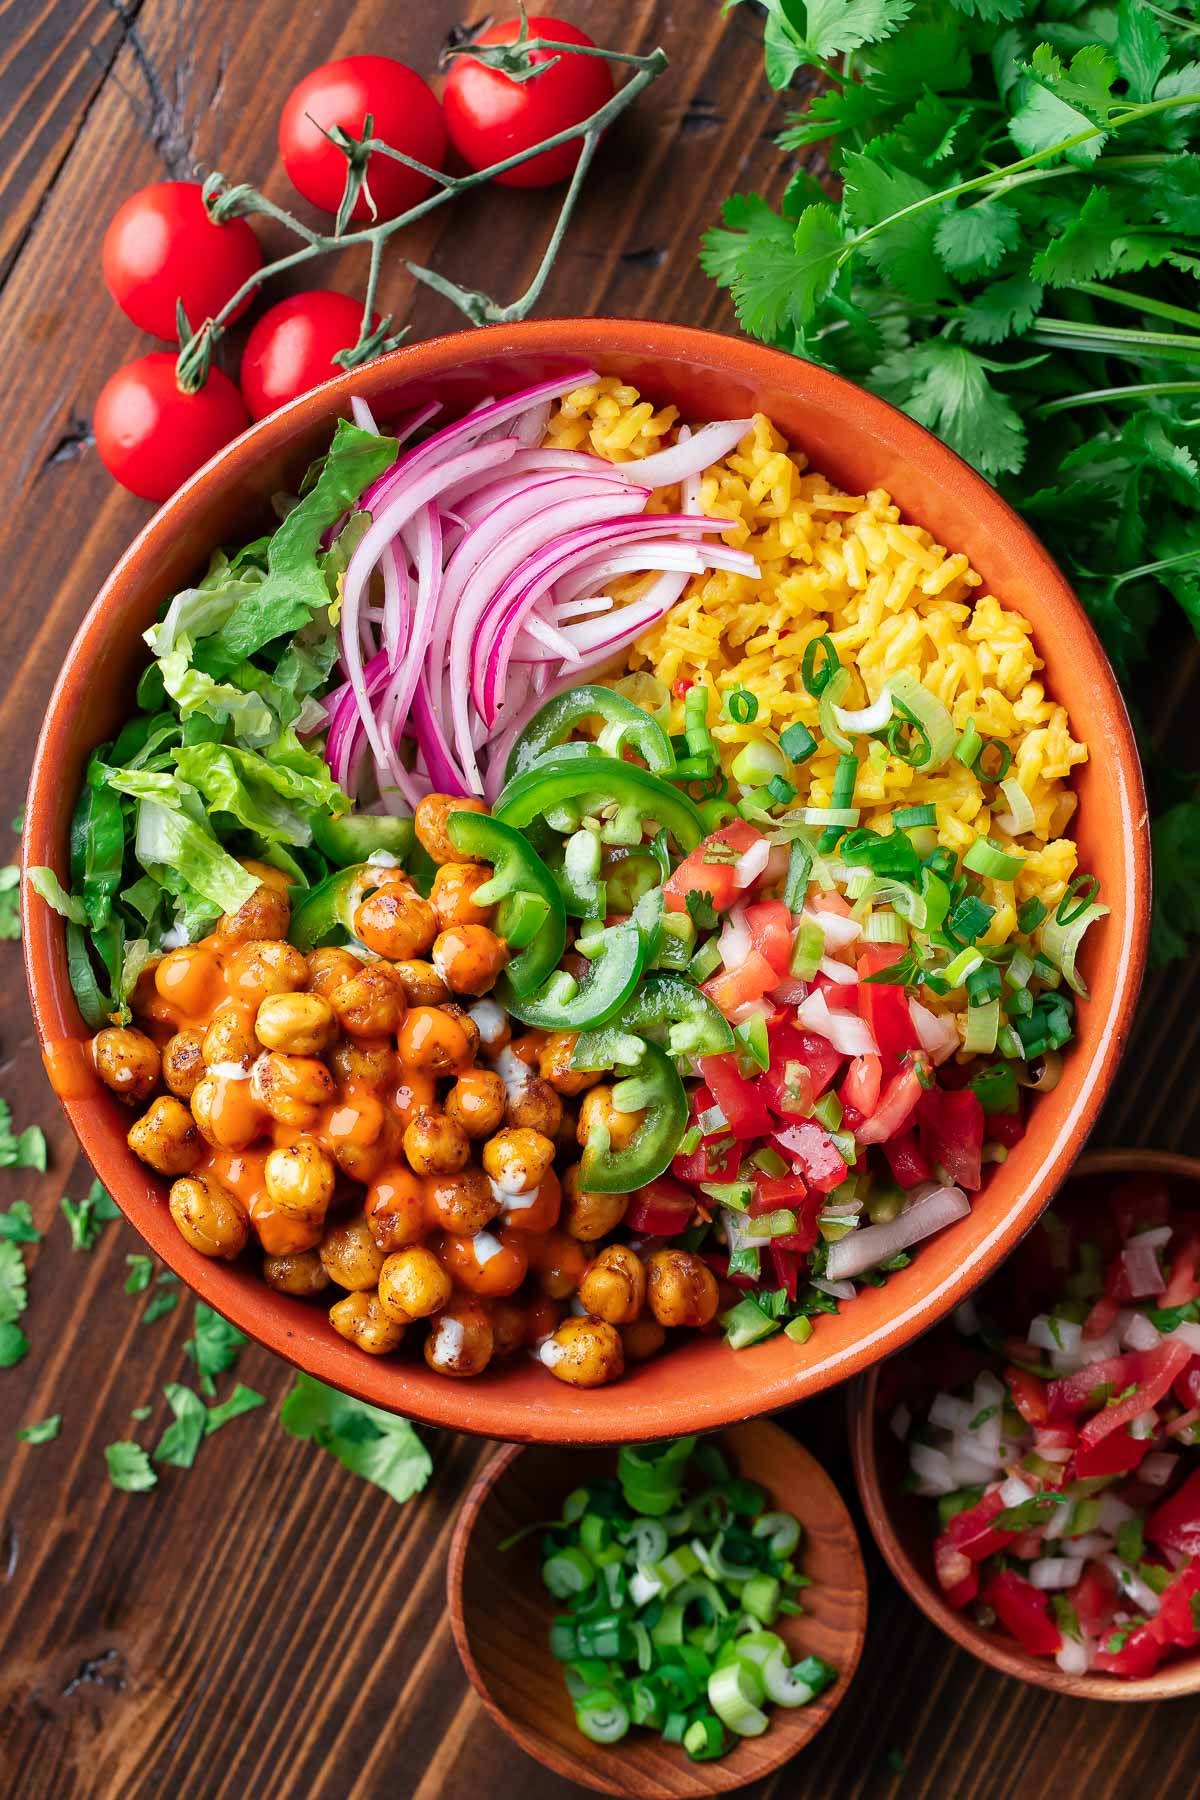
column 1013, row 262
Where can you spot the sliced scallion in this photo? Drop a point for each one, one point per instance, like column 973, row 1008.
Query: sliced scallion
column 1060, row 943
column 986, row 858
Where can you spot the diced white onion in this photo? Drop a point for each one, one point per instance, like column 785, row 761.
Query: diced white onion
column 1090, row 1543
column 900, row 1421
column 849, row 1035
column 933, row 1468
column 867, row 718
column 750, row 865
column 1131, row 1586
column 1154, row 1239
column 1015, row 1492
column 840, row 972
column 838, row 929
column 1074, row 1658
column 1056, row 1524
column 1051, row 1572
column 1140, row 1334
column 937, row 1032
column 1188, row 1334
column 989, row 1390
column 870, row 1244
column 1183, row 1426
column 734, row 941
column 949, row 1412
column 1111, row 1513
column 1158, row 1468
column 1141, row 1269
column 1047, row 1333
column 966, row 1318
column 1144, row 1426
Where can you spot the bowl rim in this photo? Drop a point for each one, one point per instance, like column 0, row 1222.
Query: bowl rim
column 477, row 1497
column 610, row 1419
column 1174, row 1680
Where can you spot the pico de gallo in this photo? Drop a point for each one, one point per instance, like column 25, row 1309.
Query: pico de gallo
column 1066, row 1460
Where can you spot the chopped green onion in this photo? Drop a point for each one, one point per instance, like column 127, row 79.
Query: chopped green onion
column 827, row 711
column 964, row 964
column 905, row 818
column 1020, row 816
column 741, row 706
column 704, row 1738
column 781, row 1529
column 797, row 742
column 1060, row 943
column 983, row 1026
column 757, row 762
column 866, row 718
column 836, row 816
column 568, row 1572
column 984, row 983
column 986, row 858
column 760, row 1598
column 602, row 1716
column 886, row 928
column 996, row 1089
column 735, row 1694
column 991, row 746
column 969, row 919
column 928, row 715
column 1019, row 970
column 817, row 678
column 781, row 791
column 1030, row 915
column 969, row 745
column 1083, row 889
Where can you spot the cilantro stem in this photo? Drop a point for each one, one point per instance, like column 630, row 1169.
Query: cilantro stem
column 1170, row 18
column 1110, row 340
column 1152, row 568
column 1140, row 390
column 1138, row 302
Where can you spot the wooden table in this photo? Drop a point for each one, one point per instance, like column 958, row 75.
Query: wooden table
column 266, row 1625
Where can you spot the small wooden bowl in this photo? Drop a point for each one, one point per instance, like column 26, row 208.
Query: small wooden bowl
column 500, row 1614
column 900, row 1522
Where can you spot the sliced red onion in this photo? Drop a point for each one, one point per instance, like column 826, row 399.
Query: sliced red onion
column 837, row 1290
column 849, row 1035
column 690, row 456
column 870, row 1244
column 1158, row 1467
column 1141, row 1270
column 362, row 415
column 1155, row 1239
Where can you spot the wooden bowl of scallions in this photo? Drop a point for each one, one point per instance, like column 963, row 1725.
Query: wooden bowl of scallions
column 688, row 1582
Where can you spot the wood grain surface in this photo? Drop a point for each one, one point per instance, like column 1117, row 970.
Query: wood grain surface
column 265, row 1625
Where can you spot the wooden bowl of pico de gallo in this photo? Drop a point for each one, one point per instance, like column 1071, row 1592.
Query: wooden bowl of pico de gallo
column 1031, row 1472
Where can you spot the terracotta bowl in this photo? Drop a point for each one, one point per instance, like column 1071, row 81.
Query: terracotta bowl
column 901, row 1522
column 861, row 442
column 501, row 1614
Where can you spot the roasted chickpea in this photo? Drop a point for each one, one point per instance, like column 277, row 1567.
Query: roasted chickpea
column 329, row 967
column 266, row 966
column 430, row 822
column 433, row 1040
column 280, row 1233
column 127, row 1061
column 597, row 1113
column 469, row 958
column 492, row 1267
column 460, row 1340
column 371, row 878
column 396, row 1208
column 350, row 1256
column 536, row 1212
column 166, row 1137
column 395, row 922
column 565, row 1143
column 360, row 1318
column 435, row 1145
column 230, row 1037
column 370, row 1004
column 266, row 914
column 682, row 1289
column 453, row 1010
column 299, row 1178
column 584, row 1353
column 554, row 1064
column 463, row 1204
column 590, row 1216
column 561, row 1263
column 614, row 1287
column 364, row 1064
column 226, row 1112
column 183, row 1063
column 643, row 1339
column 534, row 1106
column 413, row 1284
column 422, row 984
column 209, row 1217
column 517, row 1160
column 189, row 980
column 291, row 1088
column 301, row 1273
column 453, row 895
column 300, row 1024
column 476, row 1102
column 510, row 1326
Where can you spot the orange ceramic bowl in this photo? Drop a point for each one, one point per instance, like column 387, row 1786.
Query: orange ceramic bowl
column 901, row 1523
column 862, row 443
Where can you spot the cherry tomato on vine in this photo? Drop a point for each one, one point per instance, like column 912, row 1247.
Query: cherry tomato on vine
column 292, row 346
column 490, row 116
column 151, row 436
column 404, row 113
column 162, row 247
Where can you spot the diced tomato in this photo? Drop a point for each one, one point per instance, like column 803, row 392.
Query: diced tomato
column 831, row 901
column 790, row 991
column 1116, row 1282
column 1028, row 1395
column 1183, row 1284
column 770, row 927
column 1117, row 1454
column 1186, row 1387
column 715, row 1158
column 1159, row 1367
column 1140, row 1204
column 1139, row 1655
column 663, row 1208
column 787, row 1264
column 860, row 1089
column 1024, row 1611
column 810, row 1149
column 897, row 1103
column 1080, row 1392
column 1094, row 1598
column 680, row 687
column 1178, row 1618
column 971, row 1530
column 734, row 988
column 840, row 996
column 787, row 1045
column 884, row 1006
column 907, row 1160
column 1176, row 1523
column 718, row 1262
column 958, row 1577
column 744, row 1106
column 951, row 1129
column 697, row 876
column 772, row 1192
column 1005, row 1128
column 1101, row 1319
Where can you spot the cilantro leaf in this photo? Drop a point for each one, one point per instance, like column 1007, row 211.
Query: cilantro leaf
column 181, row 1439
column 141, row 1268
column 976, row 238
column 129, row 1467
column 13, row 1344
column 780, row 284
column 215, row 1347
column 13, row 1296
column 43, row 1432
column 701, row 910
column 242, row 1400
column 1085, row 86
column 10, row 903
column 1004, row 309
column 798, row 33
column 1142, row 50
column 877, row 198
column 376, row 1445
column 159, row 1305
column 17, row 1224
column 1098, row 241
column 86, row 1216
column 23, row 1150
column 945, row 386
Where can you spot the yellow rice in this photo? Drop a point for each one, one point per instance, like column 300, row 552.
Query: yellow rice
column 889, row 597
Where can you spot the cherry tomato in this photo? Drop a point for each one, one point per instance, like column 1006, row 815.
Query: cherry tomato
column 151, row 436
column 404, row 113
column 162, row 247
column 490, row 116
column 292, row 346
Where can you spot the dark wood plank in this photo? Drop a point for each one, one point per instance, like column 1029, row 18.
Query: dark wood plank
column 265, row 1624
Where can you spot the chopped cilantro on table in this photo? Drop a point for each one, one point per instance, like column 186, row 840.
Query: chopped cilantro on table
column 1013, row 260
column 129, row 1467
column 44, row 1431
column 23, row 1149
column 141, row 1271
column 17, row 1226
column 376, row 1445
column 85, row 1217
column 10, row 902
column 215, row 1346
column 161, row 1303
